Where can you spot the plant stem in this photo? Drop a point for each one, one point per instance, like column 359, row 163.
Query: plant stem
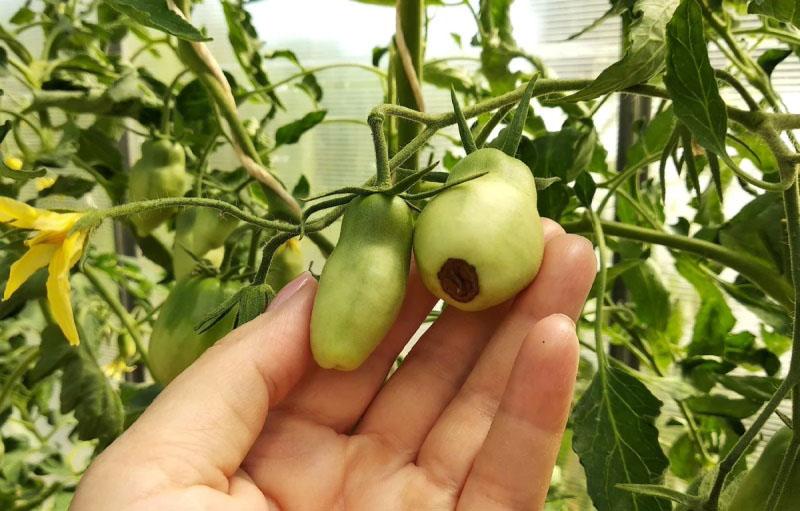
column 94, row 217
column 119, row 310
column 15, row 375
column 600, row 240
column 755, row 270
column 272, row 87
column 408, row 66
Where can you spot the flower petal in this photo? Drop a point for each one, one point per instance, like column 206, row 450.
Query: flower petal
column 58, row 288
column 38, row 256
column 21, row 215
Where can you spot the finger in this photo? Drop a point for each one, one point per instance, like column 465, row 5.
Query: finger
column 563, row 282
column 433, row 372
column 338, row 398
column 515, row 463
column 204, row 423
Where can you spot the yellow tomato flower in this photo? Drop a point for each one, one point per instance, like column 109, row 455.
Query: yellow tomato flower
column 43, row 183
column 13, row 162
column 117, row 368
column 53, row 245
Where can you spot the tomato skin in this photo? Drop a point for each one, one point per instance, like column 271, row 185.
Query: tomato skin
column 158, row 174
column 753, row 492
column 198, row 230
column 478, row 244
column 287, row 263
column 174, row 345
column 363, row 283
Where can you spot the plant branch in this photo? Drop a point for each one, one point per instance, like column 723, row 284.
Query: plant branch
column 754, row 269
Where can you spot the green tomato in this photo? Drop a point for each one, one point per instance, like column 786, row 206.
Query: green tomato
column 198, row 231
column 174, row 345
column 287, row 263
column 753, row 492
column 480, row 243
column 159, row 173
column 363, row 283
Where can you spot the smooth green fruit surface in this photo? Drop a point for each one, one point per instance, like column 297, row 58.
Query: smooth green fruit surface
column 198, row 231
column 480, row 243
column 158, row 174
column 753, row 492
column 287, row 263
column 174, row 345
column 363, row 283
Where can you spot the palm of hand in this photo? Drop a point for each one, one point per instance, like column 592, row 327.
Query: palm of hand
column 471, row 420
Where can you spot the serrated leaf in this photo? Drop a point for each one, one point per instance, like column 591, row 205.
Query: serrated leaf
column 770, row 59
column 644, row 57
column 585, row 188
column 714, row 320
column 663, row 492
column 691, row 81
column 617, row 8
column 781, row 10
column 71, row 186
column 650, row 145
column 291, row 133
column 156, row 14
column 723, row 406
column 617, row 441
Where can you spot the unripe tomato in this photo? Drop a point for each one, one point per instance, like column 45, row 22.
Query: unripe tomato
column 363, row 283
column 753, row 492
column 198, row 230
column 159, row 173
column 174, row 345
column 480, row 243
column 287, row 263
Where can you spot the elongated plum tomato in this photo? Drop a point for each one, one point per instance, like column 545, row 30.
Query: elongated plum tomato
column 363, row 283
column 174, row 344
column 481, row 242
column 159, row 173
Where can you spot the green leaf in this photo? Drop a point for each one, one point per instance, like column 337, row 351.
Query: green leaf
column 756, row 388
column 617, row 8
column 757, row 230
column 20, row 175
column 651, row 143
column 617, row 441
column 714, row 319
column 663, row 492
column 649, row 297
column 291, row 133
column 71, row 186
column 441, row 75
column 723, row 406
column 781, row 10
column 136, row 397
column 690, row 79
column 644, row 57
column 770, row 59
column 23, row 16
column 156, row 14
column 585, row 188
column 193, row 102
column 246, row 45
column 497, row 43
column 684, row 459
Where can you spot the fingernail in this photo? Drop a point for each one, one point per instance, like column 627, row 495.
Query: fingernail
column 290, row 290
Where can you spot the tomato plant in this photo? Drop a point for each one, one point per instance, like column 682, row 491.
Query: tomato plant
column 119, row 269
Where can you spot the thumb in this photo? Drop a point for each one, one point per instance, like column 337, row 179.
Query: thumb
column 212, row 413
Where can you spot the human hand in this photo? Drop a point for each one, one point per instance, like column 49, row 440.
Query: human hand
column 472, row 419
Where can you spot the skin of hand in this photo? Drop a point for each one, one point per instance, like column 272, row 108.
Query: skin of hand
column 472, row 419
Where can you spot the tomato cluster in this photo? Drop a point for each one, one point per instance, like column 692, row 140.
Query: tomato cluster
column 476, row 245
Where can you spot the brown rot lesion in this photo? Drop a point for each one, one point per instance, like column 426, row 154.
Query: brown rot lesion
column 459, row 279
